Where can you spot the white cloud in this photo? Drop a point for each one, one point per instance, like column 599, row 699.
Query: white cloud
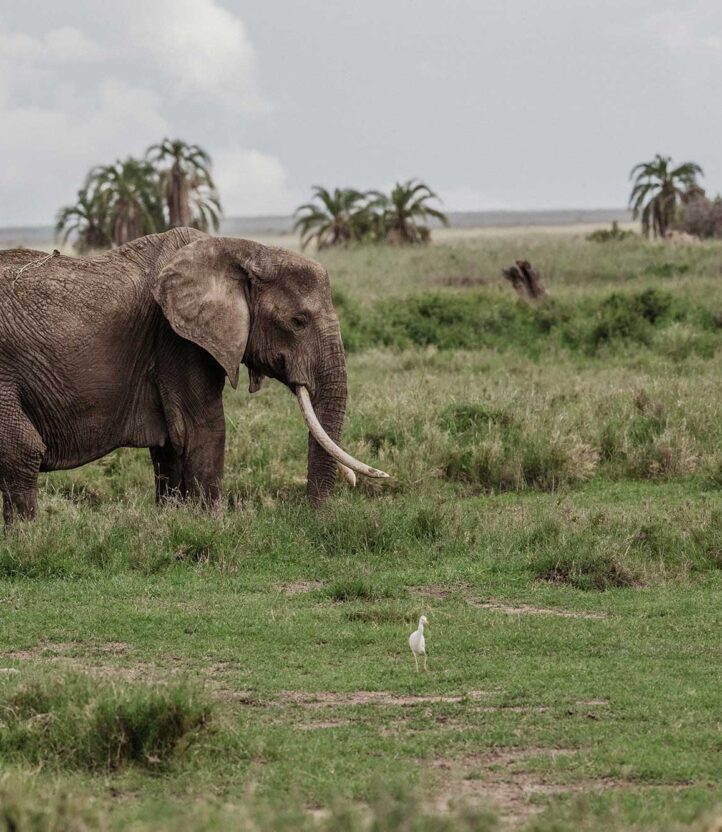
column 252, row 183
column 65, row 45
column 58, row 120
column 202, row 47
column 690, row 29
column 49, row 150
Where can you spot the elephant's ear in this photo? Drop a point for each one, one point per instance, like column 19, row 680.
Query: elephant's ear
column 202, row 292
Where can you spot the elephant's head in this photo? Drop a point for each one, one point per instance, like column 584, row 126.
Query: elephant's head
column 271, row 310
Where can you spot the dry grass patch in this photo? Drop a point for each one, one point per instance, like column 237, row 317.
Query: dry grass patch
column 299, row 587
column 528, row 609
column 333, row 699
column 326, row 723
column 442, row 593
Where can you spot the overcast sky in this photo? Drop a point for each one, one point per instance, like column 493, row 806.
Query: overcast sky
column 510, row 104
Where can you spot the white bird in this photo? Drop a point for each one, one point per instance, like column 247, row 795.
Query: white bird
column 417, row 643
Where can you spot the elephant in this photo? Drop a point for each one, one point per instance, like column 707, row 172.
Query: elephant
column 132, row 348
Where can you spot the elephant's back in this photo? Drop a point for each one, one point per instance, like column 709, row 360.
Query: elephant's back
column 51, row 297
column 13, row 258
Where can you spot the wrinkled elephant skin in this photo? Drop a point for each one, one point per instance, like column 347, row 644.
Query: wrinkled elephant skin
column 132, row 348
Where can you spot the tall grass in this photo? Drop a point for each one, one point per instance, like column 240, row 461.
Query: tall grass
column 75, row 721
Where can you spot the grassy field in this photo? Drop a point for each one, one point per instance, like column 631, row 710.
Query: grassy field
column 556, row 512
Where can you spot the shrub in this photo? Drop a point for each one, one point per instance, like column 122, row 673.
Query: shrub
column 27, row 807
column 610, row 235
column 354, row 589
column 516, row 461
column 78, row 723
column 464, row 418
column 666, row 269
column 707, row 541
column 478, row 320
column 630, row 317
column 588, row 569
column 195, row 541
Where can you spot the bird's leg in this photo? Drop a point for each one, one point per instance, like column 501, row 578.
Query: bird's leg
column 424, row 662
column 417, row 662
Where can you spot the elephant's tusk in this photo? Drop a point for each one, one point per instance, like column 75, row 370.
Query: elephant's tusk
column 325, row 441
column 347, row 474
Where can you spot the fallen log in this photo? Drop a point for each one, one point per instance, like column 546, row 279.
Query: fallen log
column 525, row 280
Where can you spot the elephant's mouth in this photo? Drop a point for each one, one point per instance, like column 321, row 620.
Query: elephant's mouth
column 255, row 380
column 343, row 458
column 259, row 370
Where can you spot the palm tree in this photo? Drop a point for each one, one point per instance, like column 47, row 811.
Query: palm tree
column 129, row 194
column 656, row 189
column 404, row 211
column 332, row 219
column 186, row 185
column 86, row 220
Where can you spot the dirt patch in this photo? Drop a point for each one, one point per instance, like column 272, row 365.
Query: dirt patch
column 114, row 660
column 439, row 592
column 51, row 649
column 20, row 655
column 94, row 660
column 328, row 723
column 528, row 609
column 497, row 779
column 113, row 648
column 442, row 593
column 299, row 587
column 513, row 709
column 333, row 699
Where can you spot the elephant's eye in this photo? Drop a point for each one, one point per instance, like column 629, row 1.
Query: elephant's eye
column 299, row 321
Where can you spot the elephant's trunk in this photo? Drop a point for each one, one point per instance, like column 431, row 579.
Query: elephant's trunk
column 324, row 417
column 329, row 406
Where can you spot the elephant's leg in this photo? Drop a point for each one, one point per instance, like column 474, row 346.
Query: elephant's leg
column 21, row 453
column 168, row 468
column 204, row 457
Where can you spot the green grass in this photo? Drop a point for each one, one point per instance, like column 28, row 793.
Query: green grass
column 77, row 722
column 555, row 511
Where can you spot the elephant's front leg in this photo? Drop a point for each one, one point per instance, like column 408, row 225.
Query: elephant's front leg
column 203, row 459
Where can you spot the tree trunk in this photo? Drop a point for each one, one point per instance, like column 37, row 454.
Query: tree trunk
column 525, row 280
column 179, row 209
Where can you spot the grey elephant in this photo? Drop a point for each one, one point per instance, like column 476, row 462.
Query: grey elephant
column 131, row 348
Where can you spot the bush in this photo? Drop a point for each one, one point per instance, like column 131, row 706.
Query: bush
column 354, row 589
column 586, row 570
column 599, row 554
column 465, row 418
column 646, row 443
column 78, row 723
column 610, row 235
column 630, row 317
column 26, row 807
column 515, row 459
column 477, row 320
